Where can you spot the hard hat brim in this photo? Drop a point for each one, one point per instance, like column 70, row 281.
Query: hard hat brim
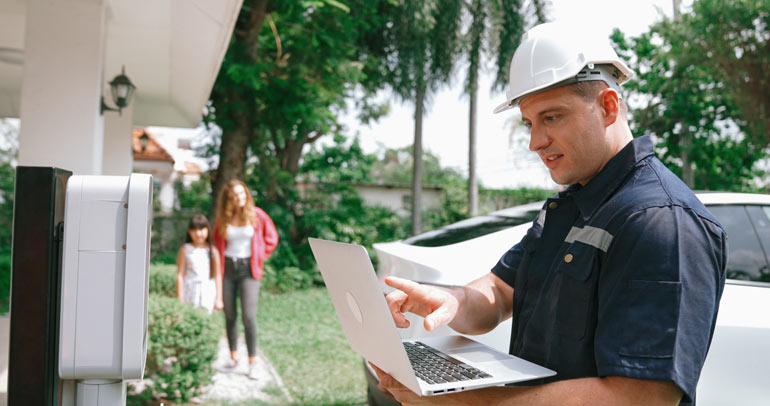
column 504, row 106
column 598, row 74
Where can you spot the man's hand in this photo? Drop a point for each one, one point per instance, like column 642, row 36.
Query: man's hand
column 400, row 393
column 438, row 306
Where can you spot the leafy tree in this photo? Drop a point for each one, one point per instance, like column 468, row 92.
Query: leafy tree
column 329, row 206
column 281, row 86
column 197, row 197
column 338, row 163
column 681, row 101
column 232, row 95
column 731, row 40
column 313, row 56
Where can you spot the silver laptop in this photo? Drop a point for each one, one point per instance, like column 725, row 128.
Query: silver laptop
column 454, row 363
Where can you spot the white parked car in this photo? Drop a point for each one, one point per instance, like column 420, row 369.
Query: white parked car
column 737, row 369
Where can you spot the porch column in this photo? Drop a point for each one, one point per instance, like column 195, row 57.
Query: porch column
column 117, row 152
column 62, row 84
column 167, row 195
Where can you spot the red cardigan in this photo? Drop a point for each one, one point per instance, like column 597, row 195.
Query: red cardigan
column 263, row 243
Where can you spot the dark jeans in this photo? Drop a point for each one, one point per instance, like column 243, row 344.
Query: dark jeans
column 238, row 280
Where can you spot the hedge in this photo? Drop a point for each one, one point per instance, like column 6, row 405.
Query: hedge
column 181, row 349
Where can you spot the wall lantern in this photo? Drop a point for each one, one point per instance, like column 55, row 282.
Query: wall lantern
column 122, row 90
column 143, row 140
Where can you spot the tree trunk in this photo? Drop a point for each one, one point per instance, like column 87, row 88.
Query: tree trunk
column 232, row 159
column 688, row 175
column 473, row 187
column 685, row 142
column 288, row 157
column 254, row 26
column 232, row 151
column 419, row 106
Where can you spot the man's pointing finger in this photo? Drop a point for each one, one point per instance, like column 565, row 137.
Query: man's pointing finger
column 404, row 285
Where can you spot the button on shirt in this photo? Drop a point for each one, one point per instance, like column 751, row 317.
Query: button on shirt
column 620, row 277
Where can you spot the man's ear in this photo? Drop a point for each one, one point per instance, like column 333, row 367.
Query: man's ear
column 610, row 104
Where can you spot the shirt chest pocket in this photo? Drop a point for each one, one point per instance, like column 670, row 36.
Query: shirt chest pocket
column 576, row 281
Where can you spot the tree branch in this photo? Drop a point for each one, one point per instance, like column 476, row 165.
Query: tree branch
column 256, row 17
column 313, row 138
column 278, row 51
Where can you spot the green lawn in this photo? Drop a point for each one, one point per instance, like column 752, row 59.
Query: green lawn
column 300, row 333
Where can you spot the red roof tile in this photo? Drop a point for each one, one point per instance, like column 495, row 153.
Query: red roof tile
column 152, row 152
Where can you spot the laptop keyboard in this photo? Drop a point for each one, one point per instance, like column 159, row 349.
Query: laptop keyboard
column 433, row 366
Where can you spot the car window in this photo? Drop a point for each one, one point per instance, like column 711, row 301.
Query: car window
column 760, row 218
column 746, row 255
column 471, row 228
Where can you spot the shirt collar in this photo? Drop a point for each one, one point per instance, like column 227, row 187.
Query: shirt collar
column 588, row 198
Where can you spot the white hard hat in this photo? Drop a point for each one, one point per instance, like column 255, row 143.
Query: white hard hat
column 552, row 55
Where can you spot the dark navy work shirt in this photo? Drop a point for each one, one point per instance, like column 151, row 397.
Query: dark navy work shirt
column 620, row 277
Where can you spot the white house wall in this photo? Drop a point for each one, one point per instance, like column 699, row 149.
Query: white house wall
column 61, row 85
column 396, row 198
column 118, row 153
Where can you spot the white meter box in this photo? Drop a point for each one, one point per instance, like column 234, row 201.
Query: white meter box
column 105, row 277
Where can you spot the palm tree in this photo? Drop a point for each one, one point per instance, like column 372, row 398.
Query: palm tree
column 426, row 43
column 496, row 28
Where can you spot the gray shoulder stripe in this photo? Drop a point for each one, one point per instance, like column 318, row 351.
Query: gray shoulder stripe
column 541, row 218
column 595, row 237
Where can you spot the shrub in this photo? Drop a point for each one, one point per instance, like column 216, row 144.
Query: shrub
column 168, row 258
column 7, row 179
column 168, row 234
column 163, row 280
column 181, row 348
column 496, row 199
column 289, row 278
column 5, row 279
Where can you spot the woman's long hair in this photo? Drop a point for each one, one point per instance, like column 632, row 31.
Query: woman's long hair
column 227, row 210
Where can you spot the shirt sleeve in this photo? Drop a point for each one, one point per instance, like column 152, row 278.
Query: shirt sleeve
column 659, row 292
column 506, row 267
column 270, row 234
column 219, row 243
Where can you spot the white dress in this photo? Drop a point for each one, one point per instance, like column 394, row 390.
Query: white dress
column 199, row 289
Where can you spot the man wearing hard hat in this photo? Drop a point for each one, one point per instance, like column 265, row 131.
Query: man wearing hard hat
column 617, row 283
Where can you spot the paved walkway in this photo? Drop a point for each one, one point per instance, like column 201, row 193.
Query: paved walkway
column 228, row 385
column 235, row 385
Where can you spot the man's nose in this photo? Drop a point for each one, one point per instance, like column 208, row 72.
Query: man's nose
column 538, row 140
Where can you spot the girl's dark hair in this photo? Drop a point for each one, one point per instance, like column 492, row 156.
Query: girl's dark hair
column 197, row 222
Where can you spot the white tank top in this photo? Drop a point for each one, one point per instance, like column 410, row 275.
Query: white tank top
column 239, row 241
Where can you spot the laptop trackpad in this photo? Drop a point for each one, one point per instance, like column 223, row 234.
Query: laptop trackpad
column 476, row 354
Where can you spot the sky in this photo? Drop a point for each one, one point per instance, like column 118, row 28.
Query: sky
column 503, row 160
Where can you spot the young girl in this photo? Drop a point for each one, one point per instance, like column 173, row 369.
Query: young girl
column 198, row 280
column 245, row 236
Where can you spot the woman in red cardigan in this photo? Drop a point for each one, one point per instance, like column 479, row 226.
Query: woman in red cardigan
column 245, row 236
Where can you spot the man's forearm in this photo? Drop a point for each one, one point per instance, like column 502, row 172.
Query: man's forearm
column 584, row 391
column 484, row 303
